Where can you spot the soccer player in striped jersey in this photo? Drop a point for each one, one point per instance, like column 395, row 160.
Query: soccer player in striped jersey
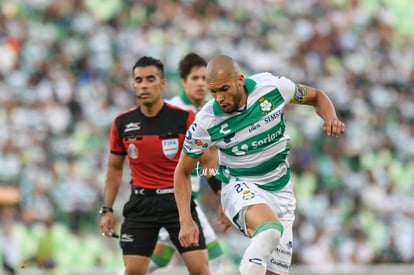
column 246, row 122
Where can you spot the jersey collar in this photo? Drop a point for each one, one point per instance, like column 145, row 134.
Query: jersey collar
column 185, row 99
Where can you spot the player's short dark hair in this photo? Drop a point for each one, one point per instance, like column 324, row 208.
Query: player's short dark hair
column 146, row 61
column 188, row 62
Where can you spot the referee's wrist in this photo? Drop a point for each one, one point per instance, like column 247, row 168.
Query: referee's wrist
column 105, row 209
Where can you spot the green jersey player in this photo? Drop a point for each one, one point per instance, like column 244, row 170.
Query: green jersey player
column 245, row 121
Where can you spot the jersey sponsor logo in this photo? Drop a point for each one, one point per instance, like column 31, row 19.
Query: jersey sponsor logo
column 285, row 252
column 279, row 263
column 132, row 126
column 300, row 93
column 265, row 105
column 170, row 147
column 272, row 117
column 223, row 129
column 254, row 127
column 240, row 151
column 269, row 138
column 132, row 151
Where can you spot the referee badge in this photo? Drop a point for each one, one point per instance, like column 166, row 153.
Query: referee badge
column 170, row 147
column 133, row 151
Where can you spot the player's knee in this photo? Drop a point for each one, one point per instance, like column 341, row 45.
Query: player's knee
column 268, row 233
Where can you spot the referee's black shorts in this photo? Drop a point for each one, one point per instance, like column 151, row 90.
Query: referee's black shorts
column 144, row 215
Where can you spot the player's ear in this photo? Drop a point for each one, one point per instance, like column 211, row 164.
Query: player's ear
column 240, row 79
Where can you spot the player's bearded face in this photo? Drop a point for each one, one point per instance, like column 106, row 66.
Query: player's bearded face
column 228, row 91
column 236, row 98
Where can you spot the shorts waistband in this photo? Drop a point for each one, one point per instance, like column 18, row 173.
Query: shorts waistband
column 151, row 192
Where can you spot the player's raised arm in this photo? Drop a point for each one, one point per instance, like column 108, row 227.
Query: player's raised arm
column 323, row 106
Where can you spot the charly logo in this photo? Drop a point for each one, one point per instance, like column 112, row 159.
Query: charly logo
column 265, row 105
column 257, row 261
column 127, row 238
column 132, row 126
column 132, row 151
column 224, row 129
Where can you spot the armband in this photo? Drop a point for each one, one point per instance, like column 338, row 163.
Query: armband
column 215, row 184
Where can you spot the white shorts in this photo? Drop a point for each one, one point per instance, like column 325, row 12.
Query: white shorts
column 237, row 196
column 208, row 231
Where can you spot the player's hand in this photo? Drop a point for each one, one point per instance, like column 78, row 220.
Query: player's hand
column 189, row 234
column 222, row 218
column 107, row 224
column 334, row 127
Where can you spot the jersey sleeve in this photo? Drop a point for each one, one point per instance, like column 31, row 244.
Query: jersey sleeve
column 115, row 141
column 197, row 140
column 286, row 87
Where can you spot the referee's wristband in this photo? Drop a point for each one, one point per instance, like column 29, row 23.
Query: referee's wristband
column 215, row 184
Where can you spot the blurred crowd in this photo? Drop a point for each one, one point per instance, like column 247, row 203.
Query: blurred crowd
column 65, row 69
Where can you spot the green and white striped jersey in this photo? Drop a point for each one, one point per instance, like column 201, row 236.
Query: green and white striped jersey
column 184, row 102
column 253, row 143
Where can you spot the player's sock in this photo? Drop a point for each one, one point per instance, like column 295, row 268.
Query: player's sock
column 161, row 260
column 216, row 265
column 215, row 257
column 264, row 240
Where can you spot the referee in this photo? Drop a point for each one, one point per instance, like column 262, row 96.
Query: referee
column 150, row 136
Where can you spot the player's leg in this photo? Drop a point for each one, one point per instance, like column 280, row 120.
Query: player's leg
column 136, row 265
column 139, row 233
column 163, row 252
column 265, row 231
column 195, row 258
column 196, row 262
column 281, row 257
column 215, row 252
column 246, row 206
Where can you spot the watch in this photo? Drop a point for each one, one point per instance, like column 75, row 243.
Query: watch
column 105, row 210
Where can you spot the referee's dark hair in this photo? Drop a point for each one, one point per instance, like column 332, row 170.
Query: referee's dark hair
column 146, row 61
column 188, row 62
